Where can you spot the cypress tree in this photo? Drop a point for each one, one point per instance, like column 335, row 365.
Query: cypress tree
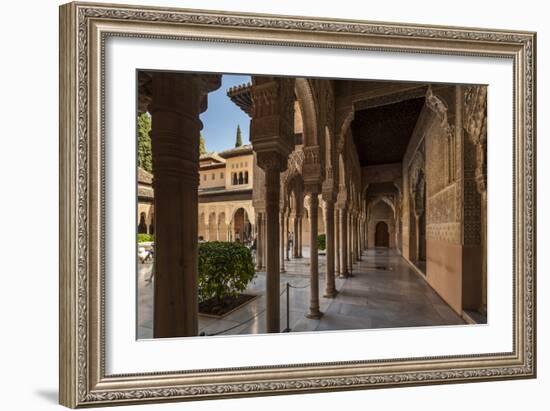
column 144, row 152
column 239, row 140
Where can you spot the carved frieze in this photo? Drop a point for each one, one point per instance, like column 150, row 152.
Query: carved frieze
column 475, row 125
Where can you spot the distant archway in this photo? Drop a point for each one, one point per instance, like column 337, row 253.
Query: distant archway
column 222, row 228
column 142, row 226
column 242, row 228
column 382, row 235
column 212, row 227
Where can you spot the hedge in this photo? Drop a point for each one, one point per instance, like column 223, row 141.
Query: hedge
column 144, row 238
column 225, row 269
column 321, row 241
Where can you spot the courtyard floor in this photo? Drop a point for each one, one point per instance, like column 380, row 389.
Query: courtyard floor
column 384, row 292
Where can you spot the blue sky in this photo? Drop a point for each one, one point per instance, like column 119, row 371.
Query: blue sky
column 222, row 116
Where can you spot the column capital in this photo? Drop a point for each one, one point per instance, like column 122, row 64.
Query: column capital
column 329, row 197
column 312, row 169
column 272, row 125
column 271, row 161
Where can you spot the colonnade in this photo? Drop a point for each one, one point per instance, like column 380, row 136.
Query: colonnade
column 175, row 103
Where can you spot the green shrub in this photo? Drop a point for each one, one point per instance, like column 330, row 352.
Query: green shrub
column 144, row 238
column 321, row 241
column 225, row 269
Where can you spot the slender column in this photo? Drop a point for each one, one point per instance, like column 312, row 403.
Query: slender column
column 300, row 255
column 365, row 246
column 349, row 245
column 287, row 235
column 296, row 237
column 314, row 259
column 337, row 241
column 271, row 166
column 352, row 239
column 175, row 110
column 259, row 241
column 344, row 272
column 330, row 291
column 358, row 237
column 282, row 240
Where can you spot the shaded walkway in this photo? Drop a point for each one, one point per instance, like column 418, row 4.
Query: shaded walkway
column 385, row 292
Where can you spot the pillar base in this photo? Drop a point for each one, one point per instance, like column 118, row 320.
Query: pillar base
column 314, row 315
column 330, row 294
column 343, row 276
column 282, row 270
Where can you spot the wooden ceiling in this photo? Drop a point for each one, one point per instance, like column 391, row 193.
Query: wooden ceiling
column 381, row 134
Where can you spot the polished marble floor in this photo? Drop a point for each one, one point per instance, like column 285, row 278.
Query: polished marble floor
column 384, row 292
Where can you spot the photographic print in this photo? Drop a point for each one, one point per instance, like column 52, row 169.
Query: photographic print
column 259, row 204
column 366, row 210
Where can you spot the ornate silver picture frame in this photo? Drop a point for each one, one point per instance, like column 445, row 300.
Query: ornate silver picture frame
column 84, row 30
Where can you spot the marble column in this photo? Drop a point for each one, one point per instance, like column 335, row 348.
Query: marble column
column 364, row 226
column 282, row 240
column 295, row 246
column 358, row 237
column 314, row 311
column 300, row 248
column 259, row 241
column 330, row 290
column 349, row 245
column 360, row 233
column 337, row 241
column 175, row 108
column 287, row 235
column 271, row 164
column 344, row 272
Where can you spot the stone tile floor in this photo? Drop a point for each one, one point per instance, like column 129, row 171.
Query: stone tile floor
column 384, row 292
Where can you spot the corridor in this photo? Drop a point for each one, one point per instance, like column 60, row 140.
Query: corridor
column 384, row 292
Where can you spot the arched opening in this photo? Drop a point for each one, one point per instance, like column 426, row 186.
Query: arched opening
column 241, row 226
column 382, row 235
column 246, row 177
column 235, row 181
column 241, row 179
column 142, row 226
column 212, row 227
column 202, row 227
column 222, row 228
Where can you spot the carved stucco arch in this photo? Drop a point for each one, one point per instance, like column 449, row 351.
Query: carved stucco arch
column 294, row 184
column 384, row 199
column 202, row 217
column 308, row 107
column 245, row 208
column 313, row 148
column 343, row 127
